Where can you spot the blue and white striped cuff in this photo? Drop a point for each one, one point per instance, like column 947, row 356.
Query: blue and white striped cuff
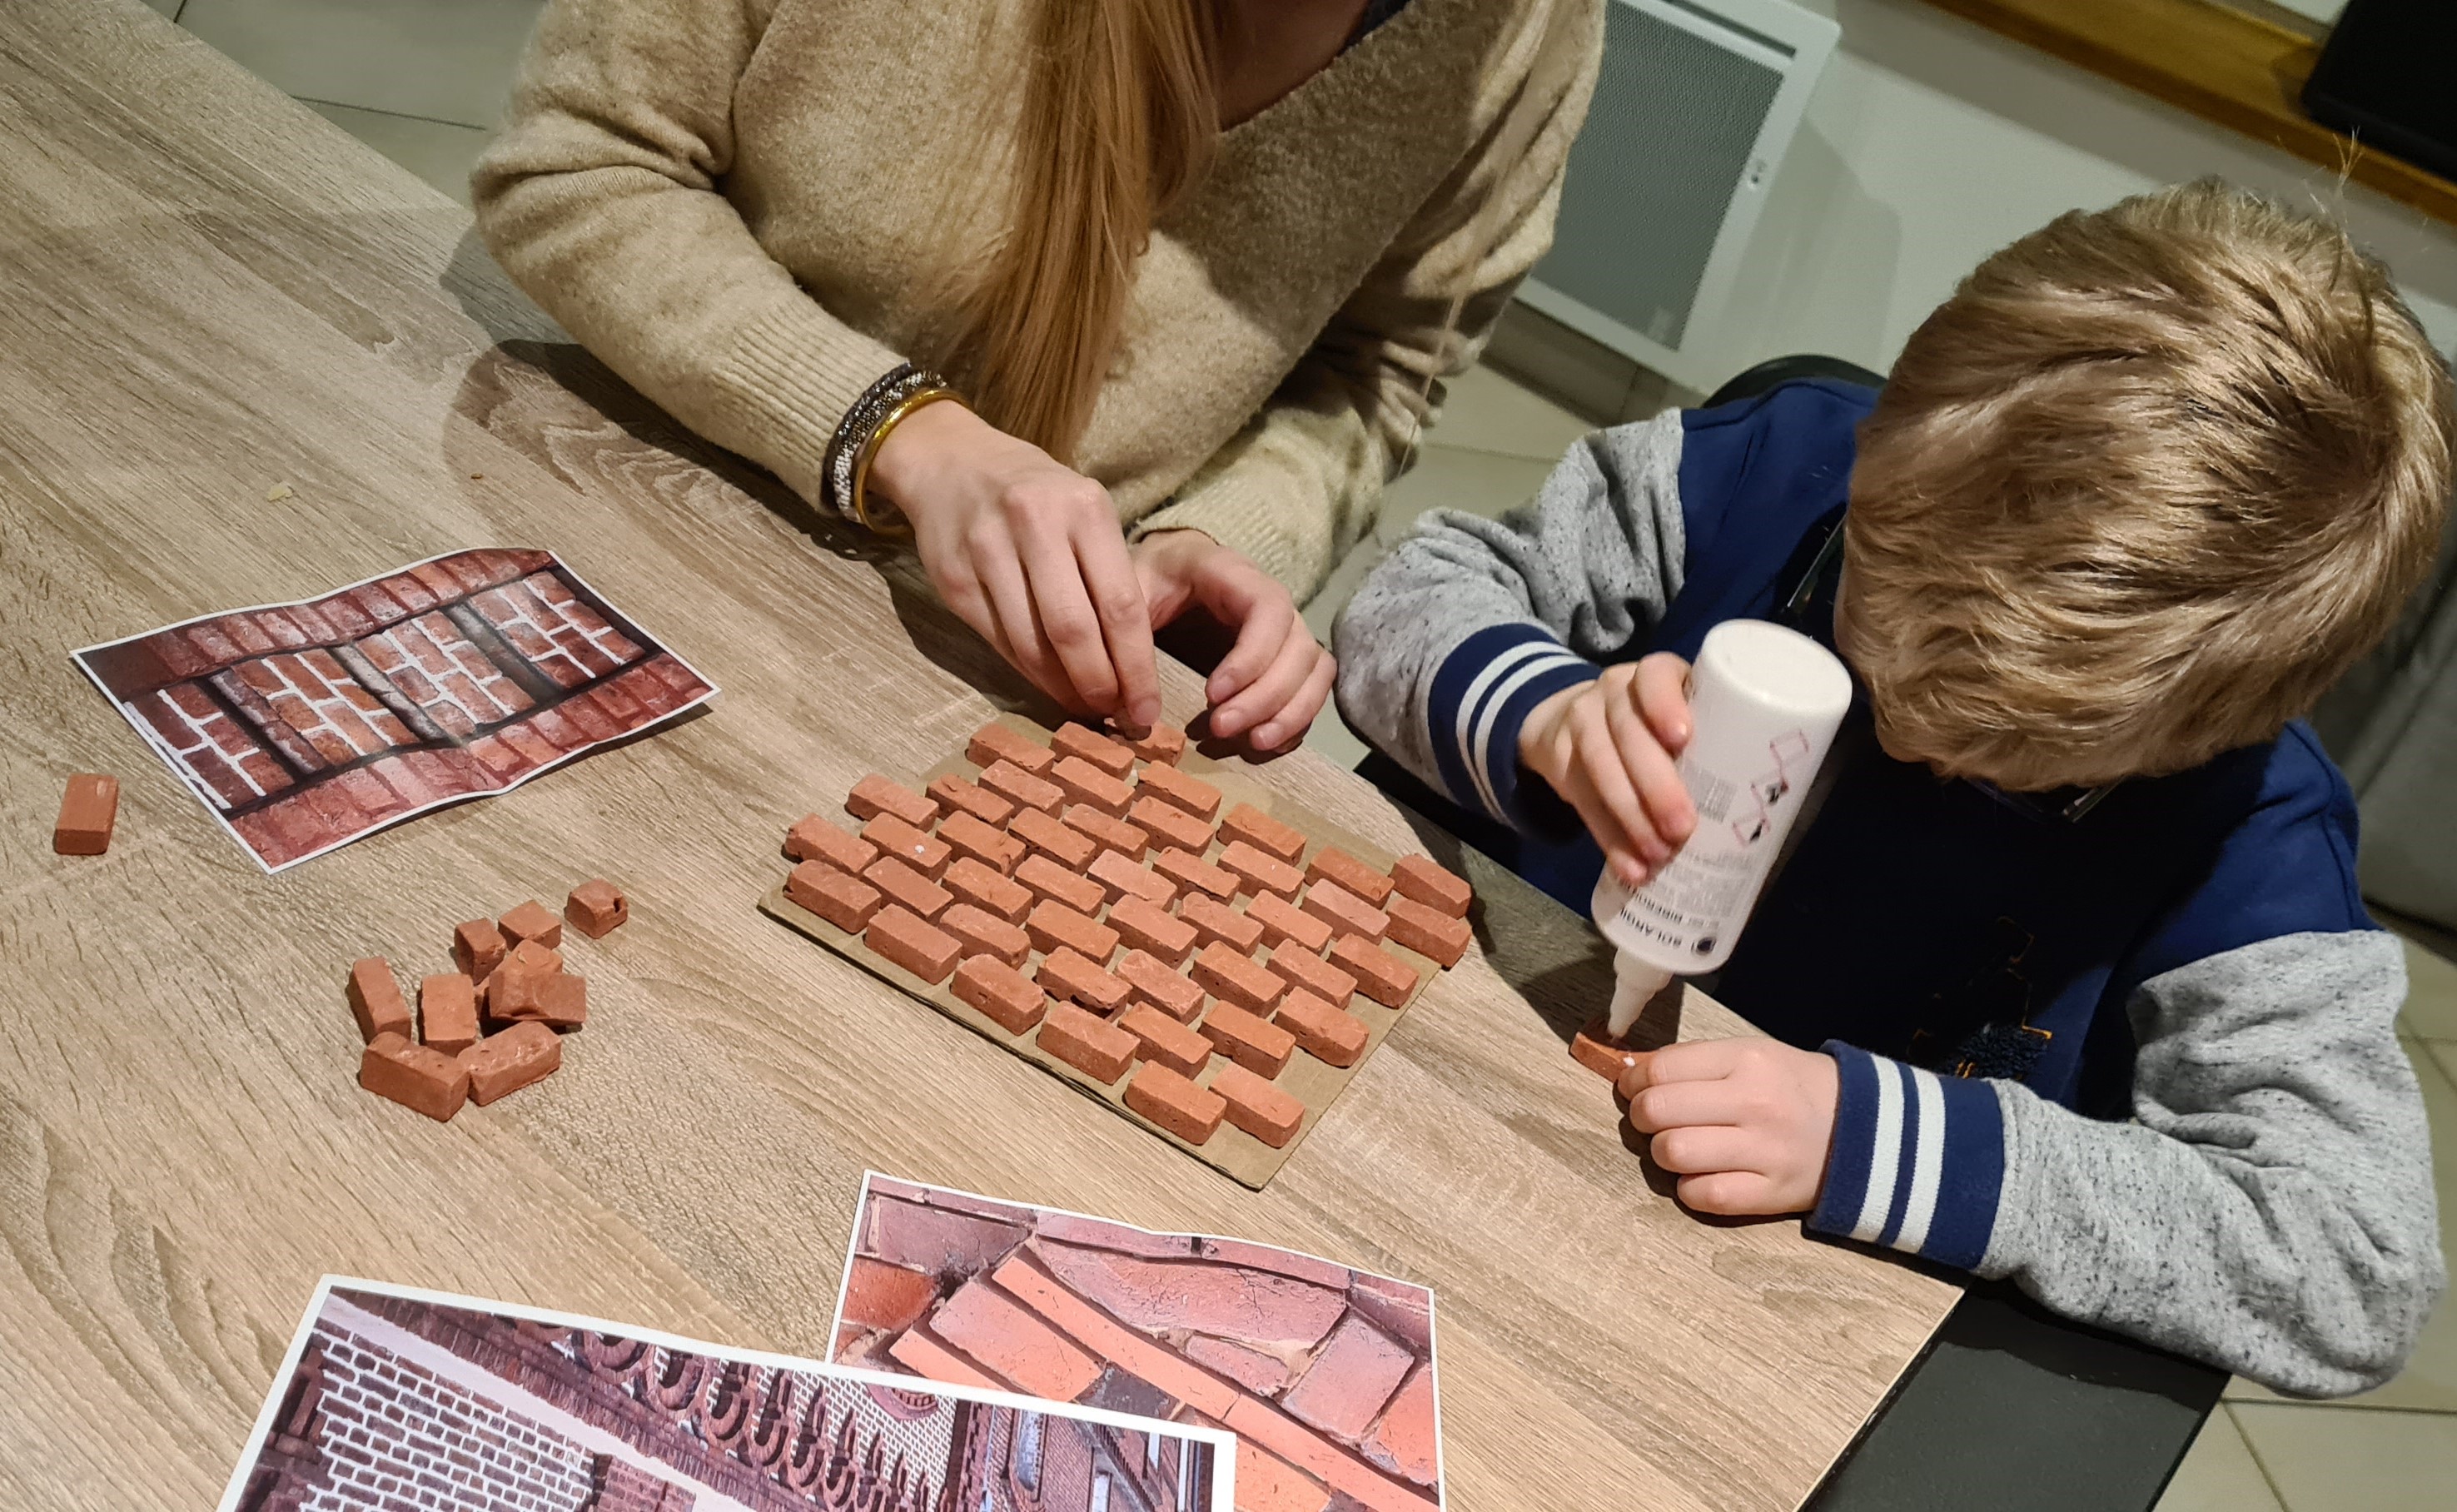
column 1918, row 1160
column 1481, row 696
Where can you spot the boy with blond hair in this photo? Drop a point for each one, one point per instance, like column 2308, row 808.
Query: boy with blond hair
column 2066, row 976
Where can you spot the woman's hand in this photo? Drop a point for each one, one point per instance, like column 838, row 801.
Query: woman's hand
column 1029, row 552
column 1273, row 682
column 1607, row 746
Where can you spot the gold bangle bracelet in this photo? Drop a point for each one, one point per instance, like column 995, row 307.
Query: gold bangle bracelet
column 877, row 438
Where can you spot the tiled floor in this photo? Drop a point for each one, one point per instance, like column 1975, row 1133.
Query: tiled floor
column 422, row 81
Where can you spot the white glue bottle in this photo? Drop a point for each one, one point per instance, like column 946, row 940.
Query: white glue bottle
column 1764, row 706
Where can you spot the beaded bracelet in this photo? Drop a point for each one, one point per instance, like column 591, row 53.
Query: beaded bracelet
column 846, row 466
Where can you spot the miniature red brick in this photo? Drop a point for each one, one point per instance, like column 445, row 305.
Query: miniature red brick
column 597, row 908
column 530, row 921
column 1379, row 975
column 907, row 887
column 421, row 1079
column 1303, row 968
column 1120, row 876
column 813, row 838
column 1049, row 880
column 447, row 1013
column 1225, row 973
column 1259, row 872
column 1257, row 1107
column 1054, row 926
column 985, row 934
column 1194, row 874
column 984, row 841
column 1594, row 1048
column 1147, row 927
column 1327, row 1032
column 925, row 854
column 1258, row 829
column 478, row 948
column 88, row 809
column 1428, row 931
column 1261, row 1047
column 1162, row 742
column 1166, row 1039
column 875, row 795
column 1216, row 923
column 1086, row 783
column 982, row 887
column 1072, row 740
column 1100, row 1049
column 531, row 955
column 1160, row 985
column 909, row 941
column 1167, row 824
column 1333, row 864
column 994, row 743
column 1001, row 992
column 1343, row 911
column 1166, row 1098
column 1110, row 832
column 843, row 901
column 1069, row 977
column 1195, row 796
column 559, row 1001
column 376, row 1000
column 504, row 1062
column 1437, row 887
column 1013, row 783
column 1284, row 922
column 1070, row 848
column 963, row 796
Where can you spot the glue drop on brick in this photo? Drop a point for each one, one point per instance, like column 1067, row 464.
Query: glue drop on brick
column 1764, row 705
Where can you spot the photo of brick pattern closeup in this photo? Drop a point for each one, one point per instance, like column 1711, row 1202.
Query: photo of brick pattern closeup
column 1324, row 1374
column 400, row 1402
column 304, row 726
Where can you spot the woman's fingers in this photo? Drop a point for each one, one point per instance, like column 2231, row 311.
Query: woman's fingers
column 1016, row 630
column 1296, row 717
column 1291, row 664
column 1068, row 619
column 1244, row 599
column 1125, row 617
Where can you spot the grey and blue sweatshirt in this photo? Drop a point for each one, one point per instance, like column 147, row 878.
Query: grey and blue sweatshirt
column 2141, row 1061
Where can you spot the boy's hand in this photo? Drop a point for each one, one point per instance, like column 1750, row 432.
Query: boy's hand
column 1607, row 748
column 1745, row 1122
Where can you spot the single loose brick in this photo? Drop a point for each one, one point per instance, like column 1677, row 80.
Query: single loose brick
column 478, row 948
column 1194, row 874
column 1303, row 968
column 963, row 796
column 910, row 942
column 1072, row 740
column 973, row 835
column 982, row 887
column 558, row 1001
column 530, row 921
column 1259, row 1046
column 1333, row 864
column 1166, row 1098
column 1001, row 992
column 1259, row 872
column 1257, row 1107
column 447, row 1013
column 1225, row 973
column 813, row 838
column 1054, row 926
column 1085, row 783
column 1324, row 1030
column 1166, row 1039
column 504, row 1062
column 417, row 1077
column 1379, row 975
column 1157, row 982
column 1120, row 876
column 1284, row 922
column 994, row 743
column 985, row 934
column 907, row 887
column 1258, row 829
column 376, row 1001
column 1216, row 923
column 1435, row 886
column 1193, row 795
column 89, row 807
column 843, row 900
column 1113, row 833
column 597, row 908
column 1168, row 824
column 1013, row 783
column 1343, row 911
column 1100, row 1049
column 1162, row 742
column 1048, row 879
column 532, row 955
column 1070, row 848
column 1147, row 927
column 925, row 854
column 875, row 795
column 1428, row 931
column 1071, row 977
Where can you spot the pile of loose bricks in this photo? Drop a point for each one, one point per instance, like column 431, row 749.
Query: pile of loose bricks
column 1106, row 872
column 491, row 1027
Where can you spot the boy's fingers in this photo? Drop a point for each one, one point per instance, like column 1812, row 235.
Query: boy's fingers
column 1682, row 1104
column 1663, row 697
column 1599, row 762
column 1728, row 1193
column 1652, row 775
column 1695, row 1061
column 1707, row 1147
column 1575, row 790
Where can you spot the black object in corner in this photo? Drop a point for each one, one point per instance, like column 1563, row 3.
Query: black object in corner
column 2383, row 78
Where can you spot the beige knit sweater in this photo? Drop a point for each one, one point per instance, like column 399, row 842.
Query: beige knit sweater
column 744, row 207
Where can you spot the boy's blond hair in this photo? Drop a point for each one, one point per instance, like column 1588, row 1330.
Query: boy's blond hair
column 2140, row 492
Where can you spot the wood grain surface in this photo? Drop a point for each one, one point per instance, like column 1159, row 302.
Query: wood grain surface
column 211, row 292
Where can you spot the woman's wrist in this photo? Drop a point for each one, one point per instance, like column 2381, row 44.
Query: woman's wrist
column 925, row 446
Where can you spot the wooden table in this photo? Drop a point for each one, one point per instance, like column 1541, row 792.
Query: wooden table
column 209, row 292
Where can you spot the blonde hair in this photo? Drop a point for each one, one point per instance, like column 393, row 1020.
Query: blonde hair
column 2140, row 492
column 1121, row 117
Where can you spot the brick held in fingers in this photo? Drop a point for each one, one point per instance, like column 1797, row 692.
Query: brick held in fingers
column 925, row 854
column 1072, row 978
column 1120, row 876
column 88, row 808
column 1085, row 783
column 1170, row 1098
column 1163, row 742
column 1343, row 911
column 1167, row 824
column 1437, row 887
column 994, row 743
column 1150, row 928
column 813, row 838
column 501, row 1064
column 1106, row 830
column 1054, row 926
column 531, row 920
column 1215, row 922
column 376, row 1001
column 907, row 888
column 597, row 908
column 1303, row 968
column 963, row 796
column 1048, row 879
column 1160, row 985
column 906, row 939
column 1379, row 975
column 447, row 1013
column 1284, row 922
column 1100, row 1049
column 1022, row 788
column 1165, row 1039
column 1265, row 834
column 1428, row 931
column 1324, row 1030
column 1259, row 872
column 1335, row 865
column 1260, row 1046
column 559, row 1001
column 970, row 836
column 1088, row 745
column 478, row 948
column 1193, row 795
column 1070, row 848
column 841, row 898
column 1257, row 1107
column 982, row 887
column 875, row 795
column 985, row 934
column 419, row 1078
column 1001, row 992
column 1225, row 973
column 1193, row 874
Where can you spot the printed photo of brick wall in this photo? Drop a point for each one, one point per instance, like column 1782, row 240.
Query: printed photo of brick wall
column 304, row 726
column 406, row 1402
column 1324, row 1374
